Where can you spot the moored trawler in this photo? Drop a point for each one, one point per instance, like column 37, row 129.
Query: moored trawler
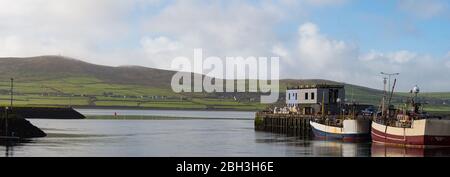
column 409, row 125
column 348, row 130
column 346, row 127
column 421, row 132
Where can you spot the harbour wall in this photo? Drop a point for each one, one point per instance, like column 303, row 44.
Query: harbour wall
column 289, row 124
column 45, row 112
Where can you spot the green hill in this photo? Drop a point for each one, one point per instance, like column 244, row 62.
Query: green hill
column 62, row 81
column 56, row 67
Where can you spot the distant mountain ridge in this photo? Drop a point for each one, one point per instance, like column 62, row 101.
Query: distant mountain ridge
column 49, row 67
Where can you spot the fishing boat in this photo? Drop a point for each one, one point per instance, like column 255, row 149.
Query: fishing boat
column 347, row 127
column 409, row 125
column 346, row 130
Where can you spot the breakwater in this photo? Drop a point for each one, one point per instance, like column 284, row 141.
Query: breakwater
column 45, row 112
column 13, row 123
column 16, row 126
column 290, row 124
column 19, row 127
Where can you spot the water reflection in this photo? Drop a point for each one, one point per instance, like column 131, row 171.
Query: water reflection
column 386, row 150
column 9, row 145
column 341, row 149
column 308, row 147
column 172, row 113
column 181, row 138
column 9, row 151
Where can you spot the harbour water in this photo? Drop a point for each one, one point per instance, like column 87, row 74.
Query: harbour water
column 224, row 133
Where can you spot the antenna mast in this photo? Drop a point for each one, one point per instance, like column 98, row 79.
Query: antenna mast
column 389, row 75
column 383, row 103
column 323, row 104
column 12, row 92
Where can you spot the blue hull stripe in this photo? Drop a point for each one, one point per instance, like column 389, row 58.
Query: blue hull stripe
column 322, row 134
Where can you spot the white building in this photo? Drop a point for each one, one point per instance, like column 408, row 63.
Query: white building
column 309, row 97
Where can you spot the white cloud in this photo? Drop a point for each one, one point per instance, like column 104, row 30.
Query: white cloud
column 95, row 30
column 160, row 45
column 115, row 32
column 234, row 26
column 423, row 9
column 372, row 55
column 100, row 31
column 421, row 69
column 325, row 2
column 85, row 29
column 16, row 45
column 280, row 51
column 317, row 52
column 160, row 50
column 320, row 56
column 64, row 17
column 447, row 57
column 399, row 57
column 232, row 29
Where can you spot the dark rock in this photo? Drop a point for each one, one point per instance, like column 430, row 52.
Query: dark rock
column 20, row 127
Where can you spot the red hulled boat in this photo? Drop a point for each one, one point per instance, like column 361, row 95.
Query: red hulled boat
column 409, row 125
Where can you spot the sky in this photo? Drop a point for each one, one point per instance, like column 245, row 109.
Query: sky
column 349, row 41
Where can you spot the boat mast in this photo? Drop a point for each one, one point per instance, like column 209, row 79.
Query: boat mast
column 323, row 104
column 6, row 108
column 12, row 93
column 392, row 93
column 383, row 101
column 6, row 122
column 389, row 75
column 415, row 103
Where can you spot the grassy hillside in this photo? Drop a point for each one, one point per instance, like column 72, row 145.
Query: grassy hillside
column 85, row 91
column 59, row 81
column 56, row 67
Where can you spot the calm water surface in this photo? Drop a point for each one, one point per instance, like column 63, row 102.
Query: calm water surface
column 172, row 113
column 184, row 137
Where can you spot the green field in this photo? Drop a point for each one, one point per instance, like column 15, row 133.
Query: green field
column 84, row 91
column 87, row 91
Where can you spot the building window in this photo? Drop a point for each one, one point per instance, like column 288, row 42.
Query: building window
column 312, row 96
column 289, row 96
column 296, row 96
column 306, row 96
column 336, row 95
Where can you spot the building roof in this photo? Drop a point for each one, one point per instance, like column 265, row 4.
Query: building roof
column 312, row 86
